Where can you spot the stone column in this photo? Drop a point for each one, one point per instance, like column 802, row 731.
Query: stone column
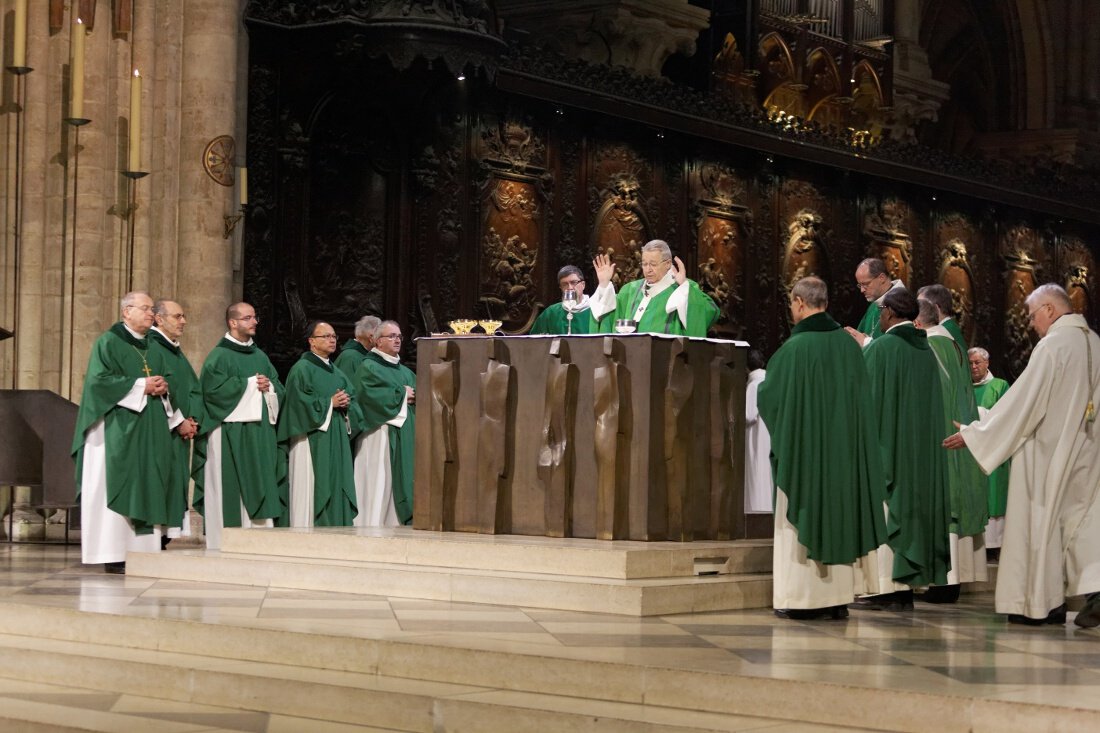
column 208, row 103
column 917, row 96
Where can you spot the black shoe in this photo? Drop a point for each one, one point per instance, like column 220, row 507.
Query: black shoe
column 901, row 600
column 940, row 594
column 114, row 568
column 164, row 540
column 833, row 613
column 1089, row 616
column 1056, row 617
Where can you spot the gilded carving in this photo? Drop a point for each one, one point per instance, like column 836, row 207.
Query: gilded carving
column 956, row 275
column 805, row 254
column 513, row 144
column 1077, row 269
column 621, row 226
column 887, row 230
column 1020, row 279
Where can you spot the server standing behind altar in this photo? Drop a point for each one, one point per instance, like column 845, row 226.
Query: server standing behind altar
column 663, row 301
column 556, row 318
column 123, row 442
column 184, row 393
column 357, row 348
column 829, row 484
column 318, row 422
column 386, row 392
column 758, row 444
column 239, row 471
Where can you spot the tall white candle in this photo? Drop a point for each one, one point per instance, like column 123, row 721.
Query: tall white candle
column 19, row 41
column 76, row 70
column 135, row 122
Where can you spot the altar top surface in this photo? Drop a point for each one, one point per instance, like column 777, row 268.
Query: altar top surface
column 446, row 336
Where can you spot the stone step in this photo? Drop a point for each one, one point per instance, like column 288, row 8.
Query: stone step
column 622, row 560
column 637, row 597
column 421, row 682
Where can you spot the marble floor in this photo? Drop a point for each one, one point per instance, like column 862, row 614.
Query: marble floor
column 959, row 650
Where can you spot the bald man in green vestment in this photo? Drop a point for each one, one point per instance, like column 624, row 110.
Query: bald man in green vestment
column 186, row 398
column 909, row 421
column 663, row 301
column 829, row 486
column 873, row 280
column 122, row 444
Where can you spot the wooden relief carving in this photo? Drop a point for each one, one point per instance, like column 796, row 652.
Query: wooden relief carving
column 513, row 145
column 1077, row 273
column 724, row 450
column 1020, row 280
column 805, row 254
column 555, row 460
column 492, row 442
column 612, row 442
column 510, row 250
column 621, row 227
column 678, row 437
column 721, row 231
column 888, row 229
column 956, row 275
column 444, row 458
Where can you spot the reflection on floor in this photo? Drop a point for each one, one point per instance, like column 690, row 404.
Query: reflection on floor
column 960, row 650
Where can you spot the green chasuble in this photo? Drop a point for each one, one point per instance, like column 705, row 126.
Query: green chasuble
column 253, row 468
column 966, row 480
column 701, row 311
column 138, row 444
column 350, row 357
column 870, row 323
column 815, row 403
column 309, row 390
column 910, row 425
column 953, row 328
column 183, row 391
column 987, row 395
column 554, row 320
column 380, row 389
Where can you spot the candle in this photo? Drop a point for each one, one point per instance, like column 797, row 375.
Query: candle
column 242, row 178
column 19, row 42
column 76, row 71
column 135, row 122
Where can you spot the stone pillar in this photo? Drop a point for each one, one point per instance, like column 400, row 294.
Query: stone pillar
column 917, row 96
column 208, row 103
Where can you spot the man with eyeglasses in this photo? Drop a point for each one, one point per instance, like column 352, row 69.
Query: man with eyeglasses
column 122, row 445
column 357, row 347
column 663, row 301
column 240, row 473
column 573, row 313
column 907, row 412
column 186, row 400
column 874, row 283
column 386, row 392
column 1047, row 424
column 319, row 420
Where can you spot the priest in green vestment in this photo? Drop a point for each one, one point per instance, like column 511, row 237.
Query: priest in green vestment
column 573, row 315
column 829, row 487
column 987, row 391
column 940, row 297
column 186, row 398
column 122, row 444
column 663, row 301
column 966, row 480
column 910, row 424
column 386, row 392
column 873, row 280
column 318, row 422
column 357, row 348
column 240, row 473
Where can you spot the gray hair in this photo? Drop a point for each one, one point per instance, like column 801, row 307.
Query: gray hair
column 658, row 245
column 383, row 324
column 979, row 351
column 131, row 298
column 874, row 265
column 160, row 306
column 939, row 296
column 1052, row 293
column 813, row 291
column 366, row 325
column 927, row 313
column 570, row 270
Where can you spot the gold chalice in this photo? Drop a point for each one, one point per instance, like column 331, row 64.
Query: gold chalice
column 490, row 327
column 462, row 326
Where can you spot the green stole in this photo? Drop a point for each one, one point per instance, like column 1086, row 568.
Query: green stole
column 309, row 390
column 814, row 401
column 380, row 389
column 555, row 321
column 253, row 468
column 904, row 374
column 138, row 444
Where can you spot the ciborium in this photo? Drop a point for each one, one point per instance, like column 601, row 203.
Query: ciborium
column 462, row 326
column 490, row 327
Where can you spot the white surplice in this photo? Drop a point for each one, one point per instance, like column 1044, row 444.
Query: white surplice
column 758, row 448
column 1052, row 524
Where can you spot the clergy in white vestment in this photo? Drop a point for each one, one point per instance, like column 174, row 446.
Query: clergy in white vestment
column 758, row 444
column 1047, row 424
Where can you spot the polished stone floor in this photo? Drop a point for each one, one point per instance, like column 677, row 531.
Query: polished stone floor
column 963, row 650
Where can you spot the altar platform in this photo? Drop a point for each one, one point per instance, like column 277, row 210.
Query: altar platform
column 82, row 650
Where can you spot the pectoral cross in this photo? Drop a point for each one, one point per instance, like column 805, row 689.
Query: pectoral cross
column 145, row 368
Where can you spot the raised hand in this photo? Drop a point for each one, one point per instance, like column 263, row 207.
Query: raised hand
column 857, row 335
column 604, row 268
column 679, row 272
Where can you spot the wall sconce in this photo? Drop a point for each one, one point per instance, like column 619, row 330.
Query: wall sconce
column 231, row 221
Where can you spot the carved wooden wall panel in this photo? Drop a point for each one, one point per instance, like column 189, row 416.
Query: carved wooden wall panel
column 1026, row 268
column 1077, row 274
column 956, row 248
column 723, row 227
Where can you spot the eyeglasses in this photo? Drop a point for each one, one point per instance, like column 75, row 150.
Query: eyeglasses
column 570, row 284
column 244, row 318
column 1032, row 314
column 653, row 265
column 142, row 308
column 324, row 336
column 864, row 284
column 394, row 336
